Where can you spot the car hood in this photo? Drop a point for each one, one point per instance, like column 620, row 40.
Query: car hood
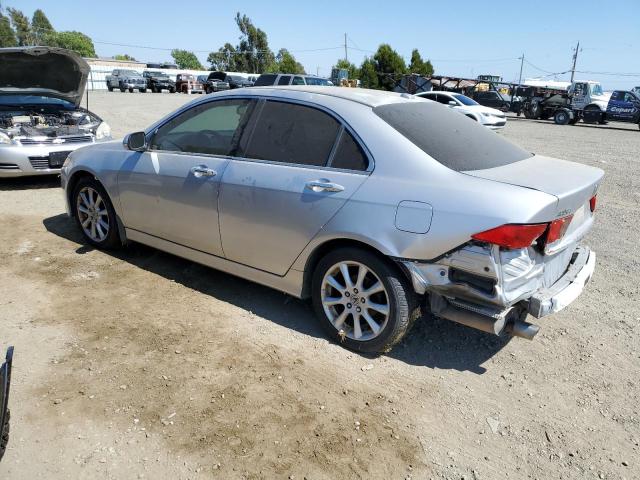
column 47, row 71
column 483, row 109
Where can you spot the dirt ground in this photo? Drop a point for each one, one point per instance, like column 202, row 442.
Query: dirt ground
column 138, row 364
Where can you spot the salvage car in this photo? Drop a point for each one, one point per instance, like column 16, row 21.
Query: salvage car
column 41, row 120
column 211, row 84
column 489, row 117
column 158, row 81
column 5, row 383
column 234, row 80
column 125, row 80
column 187, row 83
column 371, row 203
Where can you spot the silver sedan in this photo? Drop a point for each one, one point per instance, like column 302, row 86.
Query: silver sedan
column 372, row 204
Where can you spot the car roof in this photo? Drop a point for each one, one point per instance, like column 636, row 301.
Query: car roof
column 364, row 96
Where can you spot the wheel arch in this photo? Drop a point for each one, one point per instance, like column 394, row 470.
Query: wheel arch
column 324, row 248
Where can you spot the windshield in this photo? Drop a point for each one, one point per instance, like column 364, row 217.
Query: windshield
column 464, row 100
column 450, row 138
column 18, row 100
column 596, row 89
column 158, row 74
column 129, row 72
column 235, row 78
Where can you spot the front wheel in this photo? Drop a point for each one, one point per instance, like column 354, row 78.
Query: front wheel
column 362, row 301
column 172, row 90
column 94, row 214
column 131, row 90
column 143, row 90
column 4, row 434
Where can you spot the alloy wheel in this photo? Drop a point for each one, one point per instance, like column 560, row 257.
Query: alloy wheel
column 355, row 301
column 92, row 214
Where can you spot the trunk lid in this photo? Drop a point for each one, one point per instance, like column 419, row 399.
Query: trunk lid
column 573, row 184
column 47, row 71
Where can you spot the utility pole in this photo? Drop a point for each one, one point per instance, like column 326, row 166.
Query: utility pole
column 519, row 79
column 575, row 59
column 346, row 56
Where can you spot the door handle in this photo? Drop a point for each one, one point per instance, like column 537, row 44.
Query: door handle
column 203, row 171
column 320, row 186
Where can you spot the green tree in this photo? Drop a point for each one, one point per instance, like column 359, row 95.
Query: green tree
column 368, row 74
column 76, row 41
column 185, row 59
column 124, row 57
column 251, row 55
column 286, row 63
column 353, row 71
column 389, row 66
column 7, row 35
column 21, row 26
column 253, row 47
column 224, row 59
column 419, row 66
column 40, row 26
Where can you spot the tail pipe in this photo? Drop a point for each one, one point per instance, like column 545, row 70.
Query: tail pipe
column 510, row 321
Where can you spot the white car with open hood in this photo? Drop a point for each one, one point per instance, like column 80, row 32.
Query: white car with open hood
column 41, row 120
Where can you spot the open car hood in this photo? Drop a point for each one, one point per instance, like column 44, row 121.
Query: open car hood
column 48, row 71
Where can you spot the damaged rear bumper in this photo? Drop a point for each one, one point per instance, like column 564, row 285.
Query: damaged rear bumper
column 567, row 288
column 474, row 288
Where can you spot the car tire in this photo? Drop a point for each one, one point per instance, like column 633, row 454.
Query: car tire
column 110, row 88
column 396, row 297
column 123, row 90
column 4, row 434
column 88, row 197
column 143, row 90
column 131, row 90
column 172, row 90
column 562, row 117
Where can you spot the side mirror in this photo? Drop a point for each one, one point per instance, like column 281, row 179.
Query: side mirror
column 452, row 103
column 136, row 141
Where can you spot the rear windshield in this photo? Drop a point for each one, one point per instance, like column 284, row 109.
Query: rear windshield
column 451, row 138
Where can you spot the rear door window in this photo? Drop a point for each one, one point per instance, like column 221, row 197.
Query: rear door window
column 291, row 133
column 298, row 81
column 284, row 80
column 211, row 128
column 349, row 155
column 450, row 138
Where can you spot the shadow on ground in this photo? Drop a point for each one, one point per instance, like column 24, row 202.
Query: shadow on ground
column 608, row 126
column 433, row 342
column 30, row 183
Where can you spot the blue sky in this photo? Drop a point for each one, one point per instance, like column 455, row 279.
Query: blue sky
column 463, row 38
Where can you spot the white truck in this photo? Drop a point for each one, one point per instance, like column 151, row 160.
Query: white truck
column 566, row 104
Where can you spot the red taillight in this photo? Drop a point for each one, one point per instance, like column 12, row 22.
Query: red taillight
column 592, row 203
column 512, row 235
column 557, row 229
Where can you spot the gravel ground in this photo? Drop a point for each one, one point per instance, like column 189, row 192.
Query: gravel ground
column 137, row 364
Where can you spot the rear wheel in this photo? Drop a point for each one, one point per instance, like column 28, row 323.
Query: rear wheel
column 143, row 90
column 131, row 90
column 110, row 88
column 363, row 302
column 94, row 214
column 122, row 89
